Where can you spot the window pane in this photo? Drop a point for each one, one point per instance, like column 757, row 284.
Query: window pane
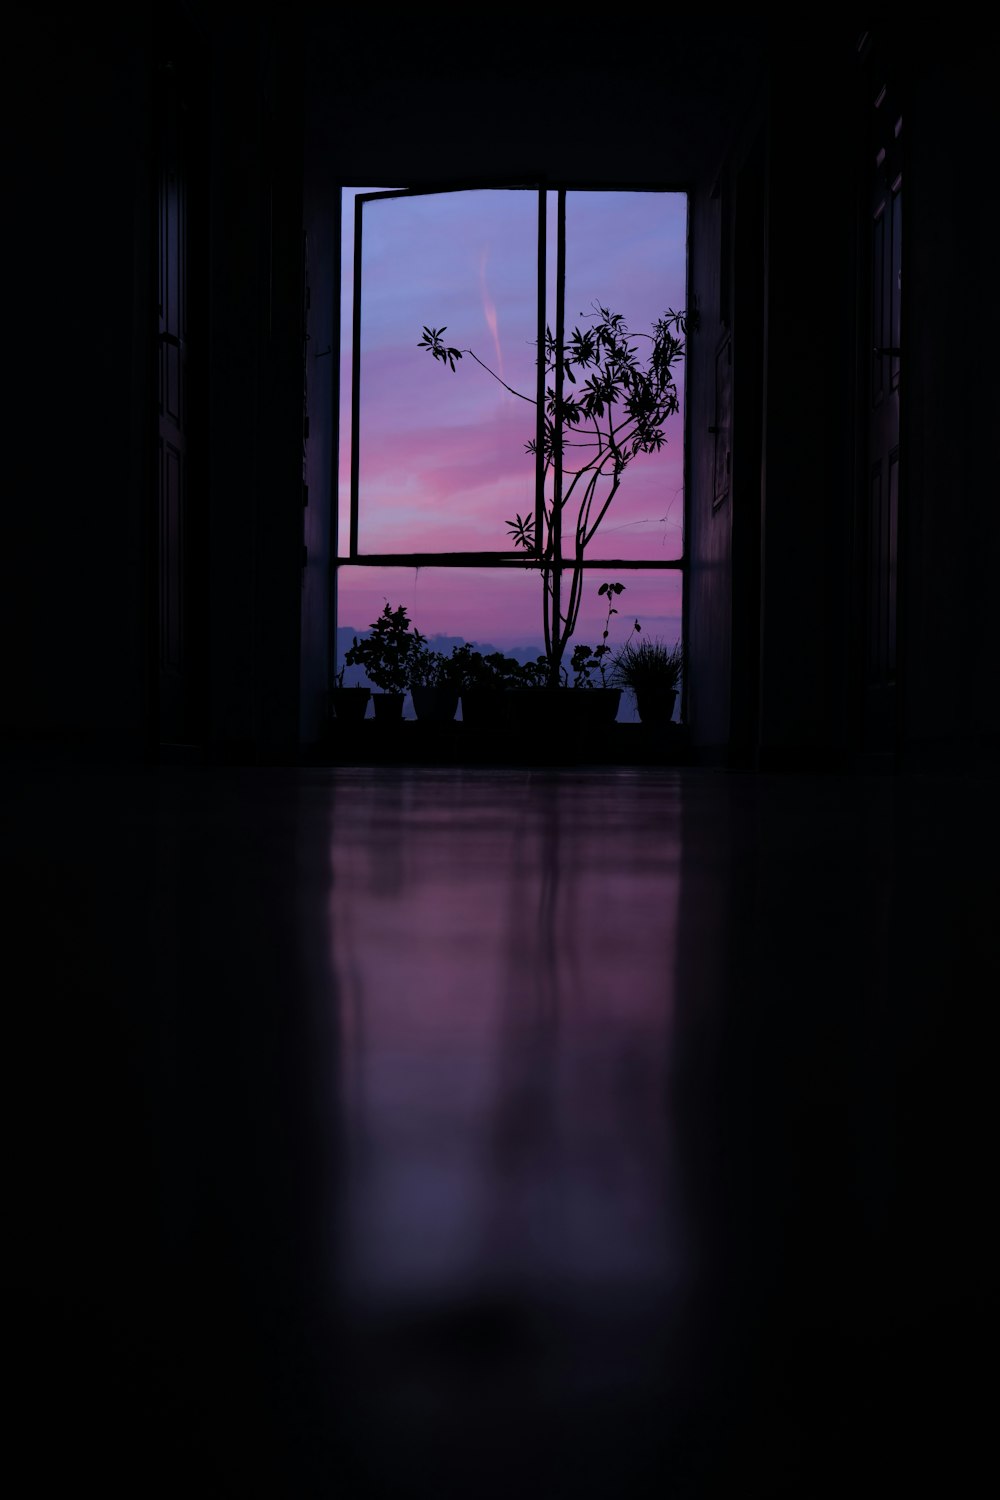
column 654, row 598
column 501, row 608
column 442, row 462
column 627, row 251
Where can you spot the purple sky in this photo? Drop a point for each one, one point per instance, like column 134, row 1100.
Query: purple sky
column 442, row 460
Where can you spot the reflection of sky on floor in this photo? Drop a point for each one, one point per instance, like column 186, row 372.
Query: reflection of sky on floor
column 506, row 1013
column 442, row 460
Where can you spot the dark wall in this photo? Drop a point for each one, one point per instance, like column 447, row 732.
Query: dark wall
column 255, row 266
column 77, row 239
column 80, row 551
column 777, row 580
column 708, row 529
column 809, row 406
column 413, row 102
column 950, row 538
column 322, row 358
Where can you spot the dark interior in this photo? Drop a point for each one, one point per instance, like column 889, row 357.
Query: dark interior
column 180, row 1116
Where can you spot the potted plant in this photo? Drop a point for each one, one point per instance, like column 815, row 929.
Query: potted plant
column 484, row 682
column 599, row 707
column 434, row 681
column 348, row 703
column 384, row 656
column 651, row 670
column 588, row 439
column 533, row 702
column 589, row 702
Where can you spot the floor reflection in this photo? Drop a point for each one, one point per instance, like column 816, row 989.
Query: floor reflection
column 390, row 1135
column 512, row 1236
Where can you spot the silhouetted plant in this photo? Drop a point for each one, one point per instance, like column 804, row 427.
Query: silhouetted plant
column 538, row 673
column 429, row 668
column 648, row 665
column 385, row 655
column 587, row 660
column 492, row 672
column 616, row 414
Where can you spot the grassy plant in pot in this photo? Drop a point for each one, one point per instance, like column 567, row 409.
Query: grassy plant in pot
column 652, row 671
column 385, row 656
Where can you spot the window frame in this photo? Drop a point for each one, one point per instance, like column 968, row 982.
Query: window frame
column 505, row 558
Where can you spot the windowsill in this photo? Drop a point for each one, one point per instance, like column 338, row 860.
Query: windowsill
column 415, row 743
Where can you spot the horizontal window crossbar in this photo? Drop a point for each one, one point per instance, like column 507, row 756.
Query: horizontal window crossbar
column 495, row 560
column 531, row 183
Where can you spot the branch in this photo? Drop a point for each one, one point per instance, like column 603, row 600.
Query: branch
column 496, row 377
column 604, row 509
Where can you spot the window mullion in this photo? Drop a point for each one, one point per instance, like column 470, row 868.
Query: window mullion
column 557, row 446
column 540, row 377
column 356, row 380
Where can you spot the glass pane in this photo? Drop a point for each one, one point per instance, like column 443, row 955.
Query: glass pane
column 500, row 608
column 654, row 598
column 494, row 608
column 442, row 461
column 627, row 251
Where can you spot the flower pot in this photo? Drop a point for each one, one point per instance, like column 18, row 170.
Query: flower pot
column 484, row 708
column 350, row 703
column 434, row 705
column 388, row 707
column 656, row 705
column 541, row 709
column 596, row 708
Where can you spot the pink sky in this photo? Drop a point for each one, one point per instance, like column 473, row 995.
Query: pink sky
column 442, row 460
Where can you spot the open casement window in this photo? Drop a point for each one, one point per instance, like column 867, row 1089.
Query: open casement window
column 439, row 456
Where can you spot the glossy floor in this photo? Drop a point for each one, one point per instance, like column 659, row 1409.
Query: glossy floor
column 386, row 1133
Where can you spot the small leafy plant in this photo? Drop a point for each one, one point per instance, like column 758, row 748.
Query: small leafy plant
column 432, row 669
column 538, row 673
column 586, row 660
column 385, row 656
column 490, row 673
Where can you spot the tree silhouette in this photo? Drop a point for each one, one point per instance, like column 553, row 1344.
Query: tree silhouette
column 589, row 438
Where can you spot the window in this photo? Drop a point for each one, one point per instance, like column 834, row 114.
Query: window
column 436, row 454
